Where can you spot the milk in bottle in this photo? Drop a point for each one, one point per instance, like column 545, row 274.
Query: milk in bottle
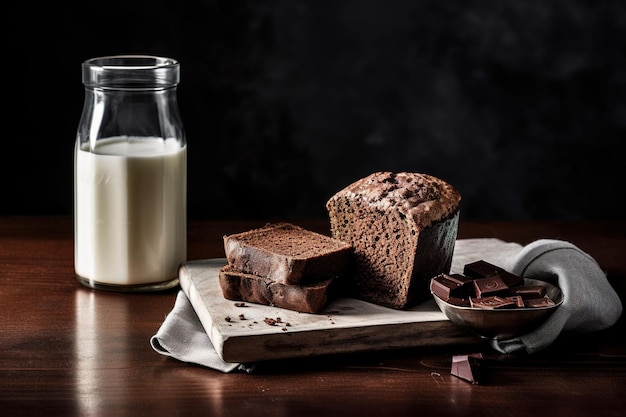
column 130, row 176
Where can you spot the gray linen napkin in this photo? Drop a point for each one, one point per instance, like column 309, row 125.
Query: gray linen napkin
column 589, row 302
column 593, row 305
column 182, row 337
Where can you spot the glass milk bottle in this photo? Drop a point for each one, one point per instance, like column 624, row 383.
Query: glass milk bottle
column 130, row 175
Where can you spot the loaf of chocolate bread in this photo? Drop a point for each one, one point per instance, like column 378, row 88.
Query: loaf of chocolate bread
column 402, row 227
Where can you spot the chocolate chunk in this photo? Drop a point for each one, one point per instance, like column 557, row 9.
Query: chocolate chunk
column 483, row 269
column 458, row 278
column 489, row 286
column 480, row 269
column 511, row 280
column 491, row 303
column 445, row 286
column 468, row 367
column 539, row 302
column 517, row 299
column 529, row 291
column 459, row 301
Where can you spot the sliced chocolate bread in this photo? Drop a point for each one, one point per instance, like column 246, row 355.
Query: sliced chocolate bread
column 306, row 298
column 287, row 254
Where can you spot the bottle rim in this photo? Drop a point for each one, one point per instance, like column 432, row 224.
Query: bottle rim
column 131, row 72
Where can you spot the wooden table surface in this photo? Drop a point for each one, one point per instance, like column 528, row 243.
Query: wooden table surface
column 67, row 350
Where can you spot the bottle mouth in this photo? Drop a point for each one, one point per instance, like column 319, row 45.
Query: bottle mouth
column 131, row 72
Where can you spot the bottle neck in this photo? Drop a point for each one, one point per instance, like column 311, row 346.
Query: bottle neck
column 130, row 96
column 112, row 112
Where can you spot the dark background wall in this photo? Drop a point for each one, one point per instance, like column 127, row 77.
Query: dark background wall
column 520, row 104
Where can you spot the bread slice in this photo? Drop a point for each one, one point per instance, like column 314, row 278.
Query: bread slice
column 286, row 254
column 402, row 227
column 247, row 287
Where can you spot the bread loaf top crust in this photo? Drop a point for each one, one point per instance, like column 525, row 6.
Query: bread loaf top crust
column 425, row 198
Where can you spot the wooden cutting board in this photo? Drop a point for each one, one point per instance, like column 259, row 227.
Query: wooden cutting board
column 241, row 334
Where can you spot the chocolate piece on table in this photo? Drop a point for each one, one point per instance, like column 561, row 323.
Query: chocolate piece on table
column 445, row 286
column 468, row 367
column 545, row 301
column 489, row 286
column 482, row 269
column 491, row 303
column 529, row 291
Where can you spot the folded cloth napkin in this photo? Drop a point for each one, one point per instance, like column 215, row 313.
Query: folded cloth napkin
column 182, row 337
column 589, row 302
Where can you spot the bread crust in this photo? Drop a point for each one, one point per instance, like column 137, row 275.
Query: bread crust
column 424, row 198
